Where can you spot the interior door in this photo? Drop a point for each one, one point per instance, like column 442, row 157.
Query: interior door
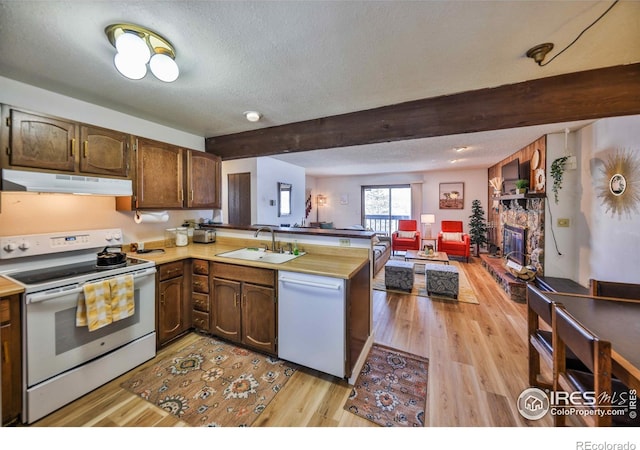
column 239, row 201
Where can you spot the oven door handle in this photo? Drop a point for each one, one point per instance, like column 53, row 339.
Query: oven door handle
column 77, row 288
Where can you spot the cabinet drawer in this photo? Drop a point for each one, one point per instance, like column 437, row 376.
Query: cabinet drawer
column 171, row 270
column 201, row 320
column 200, row 283
column 200, row 267
column 200, row 302
column 5, row 311
column 254, row 275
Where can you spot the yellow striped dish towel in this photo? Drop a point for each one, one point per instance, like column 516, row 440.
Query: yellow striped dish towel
column 94, row 305
column 122, row 304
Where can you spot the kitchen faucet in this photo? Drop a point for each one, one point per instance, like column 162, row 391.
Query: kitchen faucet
column 273, row 236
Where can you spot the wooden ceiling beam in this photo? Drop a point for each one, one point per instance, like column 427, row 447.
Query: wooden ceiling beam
column 593, row 94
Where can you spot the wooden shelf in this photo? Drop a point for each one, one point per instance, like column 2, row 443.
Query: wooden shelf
column 523, row 196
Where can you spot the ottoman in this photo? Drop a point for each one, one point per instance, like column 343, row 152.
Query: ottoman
column 442, row 280
column 398, row 275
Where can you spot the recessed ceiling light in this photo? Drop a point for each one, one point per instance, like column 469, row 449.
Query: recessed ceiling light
column 461, row 149
column 252, row 116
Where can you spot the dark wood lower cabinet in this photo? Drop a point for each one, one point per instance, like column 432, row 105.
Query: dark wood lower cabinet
column 11, row 360
column 173, row 315
column 244, row 306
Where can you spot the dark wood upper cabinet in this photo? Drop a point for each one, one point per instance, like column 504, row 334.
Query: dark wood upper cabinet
column 159, row 175
column 203, row 179
column 171, row 177
column 41, row 142
column 104, row 152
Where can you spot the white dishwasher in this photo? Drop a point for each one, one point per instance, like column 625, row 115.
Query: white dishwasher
column 311, row 321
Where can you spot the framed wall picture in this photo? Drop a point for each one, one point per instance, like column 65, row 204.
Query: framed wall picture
column 452, row 195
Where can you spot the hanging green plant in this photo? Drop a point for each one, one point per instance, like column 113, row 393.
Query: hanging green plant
column 557, row 170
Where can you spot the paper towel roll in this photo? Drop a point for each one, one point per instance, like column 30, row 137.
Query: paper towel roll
column 151, row 217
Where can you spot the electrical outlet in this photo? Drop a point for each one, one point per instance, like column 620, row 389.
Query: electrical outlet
column 345, row 242
column 563, row 222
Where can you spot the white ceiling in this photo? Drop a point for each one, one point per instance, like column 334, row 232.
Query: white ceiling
column 299, row 60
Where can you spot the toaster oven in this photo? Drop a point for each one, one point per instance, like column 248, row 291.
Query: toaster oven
column 204, row 236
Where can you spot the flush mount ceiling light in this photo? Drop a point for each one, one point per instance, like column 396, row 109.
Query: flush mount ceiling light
column 252, row 116
column 138, row 46
column 460, row 149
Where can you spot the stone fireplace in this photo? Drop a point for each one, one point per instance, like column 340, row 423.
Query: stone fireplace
column 527, row 215
column 521, row 228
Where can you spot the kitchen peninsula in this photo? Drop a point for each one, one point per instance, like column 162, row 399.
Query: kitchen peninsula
column 205, row 274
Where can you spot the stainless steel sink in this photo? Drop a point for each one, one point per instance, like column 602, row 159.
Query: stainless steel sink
column 253, row 254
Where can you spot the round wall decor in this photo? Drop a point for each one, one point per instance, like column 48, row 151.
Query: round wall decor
column 619, row 187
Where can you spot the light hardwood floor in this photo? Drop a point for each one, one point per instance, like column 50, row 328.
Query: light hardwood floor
column 477, row 368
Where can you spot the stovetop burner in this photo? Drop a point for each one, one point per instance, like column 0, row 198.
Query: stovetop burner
column 31, row 277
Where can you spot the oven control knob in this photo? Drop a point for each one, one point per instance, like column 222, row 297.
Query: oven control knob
column 24, row 245
column 117, row 236
column 108, row 237
column 10, row 247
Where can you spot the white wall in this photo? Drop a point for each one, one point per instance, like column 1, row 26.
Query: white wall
column 265, row 174
column 475, row 187
column 271, row 172
column 598, row 244
column 614, row 250
column 561, row 252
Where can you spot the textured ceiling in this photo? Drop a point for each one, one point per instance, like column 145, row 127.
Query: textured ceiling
column 299, row 60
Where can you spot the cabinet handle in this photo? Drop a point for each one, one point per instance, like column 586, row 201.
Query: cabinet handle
column 191, row 194
column 73, row 147
column 7, row 359
column 162, row 299
column 235, row 299
column 181, row 195
column 85, row 148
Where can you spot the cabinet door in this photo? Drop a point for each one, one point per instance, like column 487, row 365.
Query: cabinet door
column 42, row 142
column 226, row 309
column 11, row 360
column 259, row 317
column 104, row 152
column 203, row 178
column 159, row 179
column 170, row 309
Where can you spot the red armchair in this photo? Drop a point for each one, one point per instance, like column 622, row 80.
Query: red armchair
column 407, row 237
column 453, row 241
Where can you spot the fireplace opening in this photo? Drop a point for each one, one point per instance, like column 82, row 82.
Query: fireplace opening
column 514, row 243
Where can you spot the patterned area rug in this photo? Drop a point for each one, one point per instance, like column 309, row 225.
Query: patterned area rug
column 466, row 294
column 391, row 389
column 212, row 383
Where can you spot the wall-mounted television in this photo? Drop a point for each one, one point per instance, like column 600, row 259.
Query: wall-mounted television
column 510, row 173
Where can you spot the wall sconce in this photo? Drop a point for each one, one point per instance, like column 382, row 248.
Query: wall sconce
column 138, row 46
column 427, row 219
column 321, row 200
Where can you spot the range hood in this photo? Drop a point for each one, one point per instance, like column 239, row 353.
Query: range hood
column 24, row 181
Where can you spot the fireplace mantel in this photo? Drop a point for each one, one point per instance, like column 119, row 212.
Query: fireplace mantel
column 521, row 199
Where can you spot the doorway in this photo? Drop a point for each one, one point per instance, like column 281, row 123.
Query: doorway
column 239, row 198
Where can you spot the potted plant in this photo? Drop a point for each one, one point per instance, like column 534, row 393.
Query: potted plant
column 521, row 186
column 557, row 170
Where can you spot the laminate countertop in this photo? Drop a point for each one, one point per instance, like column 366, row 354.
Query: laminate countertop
column 8, row 287
column 344, row 267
